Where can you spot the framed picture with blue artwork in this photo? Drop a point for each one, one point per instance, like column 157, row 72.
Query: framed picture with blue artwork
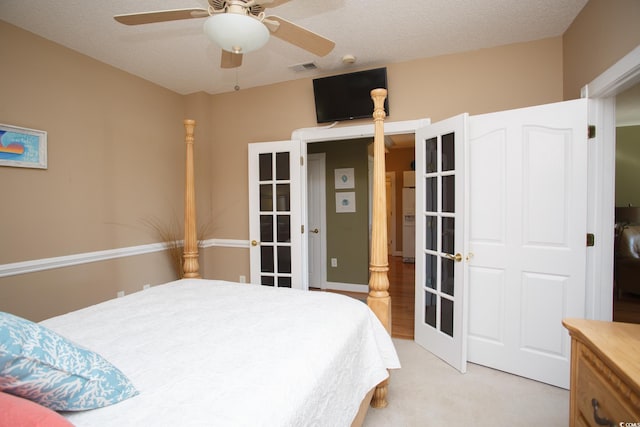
column 344, row 178
column 22, row 147
column 345, row 202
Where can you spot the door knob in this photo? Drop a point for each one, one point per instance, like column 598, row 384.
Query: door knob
column 456, row 257
column 315, row 230
column 254, row 243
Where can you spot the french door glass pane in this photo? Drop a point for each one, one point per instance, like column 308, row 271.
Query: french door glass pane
column 448, row 236
column 448, row 193
column 430, row 308
column 448, row 152
column 283, row 197
column 446, row 316
column 446, row 284
column 431, row 273
column 266, row 228
column 266, row 197
column 267, row 280
column 431, row 226
column 282, row 166
column 431, row 194
column 284, row 228
column 266, row 259
column 265, row 172
column 431, row 155
column 284, row 282
column 284, row 259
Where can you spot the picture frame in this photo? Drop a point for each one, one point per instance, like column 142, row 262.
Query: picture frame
column 22, row 147
column 345, row 202
column 344, row 178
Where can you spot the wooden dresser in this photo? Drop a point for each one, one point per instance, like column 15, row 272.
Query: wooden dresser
column 605, row 373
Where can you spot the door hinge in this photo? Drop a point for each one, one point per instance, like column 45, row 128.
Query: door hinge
column 301, row 161
column 302, row 229
column 591, row 131
column 591, row 239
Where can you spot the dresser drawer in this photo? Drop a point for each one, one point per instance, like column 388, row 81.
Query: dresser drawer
column 602, row 399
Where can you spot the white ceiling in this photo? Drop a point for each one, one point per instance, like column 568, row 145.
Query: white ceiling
column 178, row 56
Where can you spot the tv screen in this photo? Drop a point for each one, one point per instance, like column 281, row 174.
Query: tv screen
column 348, row 96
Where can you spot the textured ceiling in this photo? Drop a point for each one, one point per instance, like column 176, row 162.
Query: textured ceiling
column 178, row 56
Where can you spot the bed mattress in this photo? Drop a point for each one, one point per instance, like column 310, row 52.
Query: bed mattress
column 205, row 353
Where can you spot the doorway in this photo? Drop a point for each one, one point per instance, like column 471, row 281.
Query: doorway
column 317, row 220
column 399, row 159
column 602, row 93
column 401, row 134
column 626, row 297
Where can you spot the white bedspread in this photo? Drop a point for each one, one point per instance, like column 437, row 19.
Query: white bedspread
column 212, row 353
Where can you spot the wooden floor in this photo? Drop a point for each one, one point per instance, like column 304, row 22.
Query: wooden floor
column 401, row 290
column 626, row 308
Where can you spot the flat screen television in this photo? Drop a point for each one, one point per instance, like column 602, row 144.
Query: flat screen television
column 348, row 96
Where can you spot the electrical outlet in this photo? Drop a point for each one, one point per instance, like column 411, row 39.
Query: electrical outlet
column 243, row 279
column 334, row 262
column 120, row 294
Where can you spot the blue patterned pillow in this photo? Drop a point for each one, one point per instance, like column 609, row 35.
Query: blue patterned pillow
column 40, row 365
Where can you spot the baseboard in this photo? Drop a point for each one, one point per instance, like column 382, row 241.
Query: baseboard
column 347, row 287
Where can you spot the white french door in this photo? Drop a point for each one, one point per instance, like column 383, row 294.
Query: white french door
column 440, row 310
column 527, row 233
column 512, row 256
column 274, row 214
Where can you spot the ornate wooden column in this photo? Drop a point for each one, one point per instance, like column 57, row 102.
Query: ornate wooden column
column 379, row 299
column 191, row 265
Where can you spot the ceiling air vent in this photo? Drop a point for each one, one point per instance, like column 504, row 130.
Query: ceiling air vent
column 308, row 66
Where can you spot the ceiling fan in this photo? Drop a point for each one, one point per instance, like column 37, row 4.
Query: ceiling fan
column 238, row 27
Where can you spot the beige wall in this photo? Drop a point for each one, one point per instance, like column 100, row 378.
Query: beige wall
column 116, row 152
column 481, row 81
column 115, row 158
column 603, row 32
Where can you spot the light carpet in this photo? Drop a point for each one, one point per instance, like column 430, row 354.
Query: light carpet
column 428, row 392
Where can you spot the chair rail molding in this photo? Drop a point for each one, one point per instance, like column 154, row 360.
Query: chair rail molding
column 31, row 266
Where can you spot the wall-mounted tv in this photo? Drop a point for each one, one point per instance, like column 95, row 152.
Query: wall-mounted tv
column 348, row 96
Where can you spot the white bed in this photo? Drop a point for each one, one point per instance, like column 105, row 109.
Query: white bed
column 204, row 352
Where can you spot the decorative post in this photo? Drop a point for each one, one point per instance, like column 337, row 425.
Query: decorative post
column 379, row 300
column 191, row 265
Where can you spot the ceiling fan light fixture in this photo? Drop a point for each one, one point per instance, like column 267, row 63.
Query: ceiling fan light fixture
column 236, row 33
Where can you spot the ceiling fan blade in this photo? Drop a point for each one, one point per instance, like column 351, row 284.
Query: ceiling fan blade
column 299, row 36
column 230, row 60
column 271, row 3
column 160, row 16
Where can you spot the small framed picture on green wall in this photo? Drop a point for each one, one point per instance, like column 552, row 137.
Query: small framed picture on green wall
column 345, row 178
column 345, row 202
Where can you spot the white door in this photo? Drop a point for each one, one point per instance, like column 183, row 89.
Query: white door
column 440, row 319
column 274, row 214
column 316, row 229
column 527, row 234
